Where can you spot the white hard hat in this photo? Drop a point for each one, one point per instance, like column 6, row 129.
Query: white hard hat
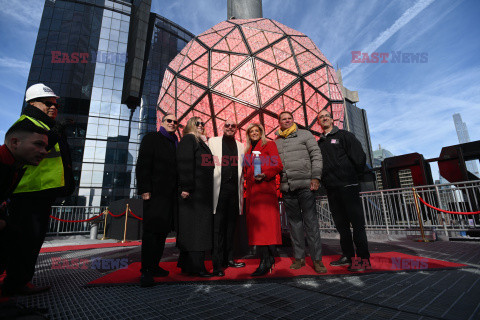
column 39, row 90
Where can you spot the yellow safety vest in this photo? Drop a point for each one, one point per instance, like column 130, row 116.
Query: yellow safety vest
column 48, row 174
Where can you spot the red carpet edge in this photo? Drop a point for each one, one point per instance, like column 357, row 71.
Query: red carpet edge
column 380, row 263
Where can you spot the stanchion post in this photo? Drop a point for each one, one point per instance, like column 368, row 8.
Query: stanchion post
column 420, row 221
column 105, row 213
column 384, row 209
column 443, row 215
column 127, row 210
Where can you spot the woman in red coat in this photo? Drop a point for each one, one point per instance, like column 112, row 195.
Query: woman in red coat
column 262, row 211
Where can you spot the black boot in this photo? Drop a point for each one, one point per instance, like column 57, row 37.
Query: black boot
column 271, row 256
column 262, row 269
column 266, row 262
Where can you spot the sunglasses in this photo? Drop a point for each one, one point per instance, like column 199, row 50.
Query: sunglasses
column 50, row 104
column 228, row 125
column 324, row 116
column 200, row 123
column 170, row 121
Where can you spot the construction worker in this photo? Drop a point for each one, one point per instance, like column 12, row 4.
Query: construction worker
column 32, row 200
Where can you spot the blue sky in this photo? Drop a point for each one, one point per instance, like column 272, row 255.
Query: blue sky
column 409, row 105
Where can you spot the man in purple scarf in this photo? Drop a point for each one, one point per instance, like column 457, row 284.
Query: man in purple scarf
column 157, row 184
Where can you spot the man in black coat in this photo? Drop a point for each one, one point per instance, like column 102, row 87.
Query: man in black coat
column 32, row 200
column 343, row 161
column 157, row 184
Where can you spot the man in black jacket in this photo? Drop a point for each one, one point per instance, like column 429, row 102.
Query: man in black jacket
column 25, row 143
column 343, row 161
column 157, row 184
column 32, row 200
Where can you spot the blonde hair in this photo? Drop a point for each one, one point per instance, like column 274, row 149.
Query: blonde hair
column 262, row 131
column 191, row 127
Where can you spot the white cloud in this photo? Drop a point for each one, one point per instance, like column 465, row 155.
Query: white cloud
column 195, row 16
column 404, row 19
column 28, row 13
column 19, row 66
column 406, row 122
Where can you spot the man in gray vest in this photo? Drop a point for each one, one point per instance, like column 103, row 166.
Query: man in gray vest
column 302, row 169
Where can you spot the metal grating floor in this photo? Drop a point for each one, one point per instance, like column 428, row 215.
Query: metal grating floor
column 445, row 294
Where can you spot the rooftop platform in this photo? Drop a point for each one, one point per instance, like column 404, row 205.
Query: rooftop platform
column 441, row 294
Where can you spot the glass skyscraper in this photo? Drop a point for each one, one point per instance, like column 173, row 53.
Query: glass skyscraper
column 464, row 137
column 356, row 119
column 89, row 53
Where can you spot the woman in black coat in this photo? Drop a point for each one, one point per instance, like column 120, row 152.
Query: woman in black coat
column 195, row 214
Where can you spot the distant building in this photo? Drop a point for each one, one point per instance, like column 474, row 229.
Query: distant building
column 380, row 155
column 356, row 119
column 464, row 137
column 446, row 193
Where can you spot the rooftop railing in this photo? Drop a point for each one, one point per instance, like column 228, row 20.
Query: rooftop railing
column 387, row 211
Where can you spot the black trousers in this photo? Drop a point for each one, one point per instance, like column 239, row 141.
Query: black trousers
column 192, row 261
column 157, row 222
column 346, row 208
column 153, row 245
column 224, row 222
column 28, row 224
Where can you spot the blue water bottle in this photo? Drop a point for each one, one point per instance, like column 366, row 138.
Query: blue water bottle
column 257, row 163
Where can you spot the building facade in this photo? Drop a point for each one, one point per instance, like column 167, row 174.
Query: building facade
column 380, row 155
column 356, row 119
column 464, row 137
column 108, row 77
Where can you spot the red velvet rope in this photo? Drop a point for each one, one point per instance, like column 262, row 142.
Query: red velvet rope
column 131, row 213
column 116, row 216
column 93, row 218
column 63, row 220
column 446, row 211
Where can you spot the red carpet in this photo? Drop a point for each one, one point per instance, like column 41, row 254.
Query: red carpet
column 380, row 262
column 96, row 246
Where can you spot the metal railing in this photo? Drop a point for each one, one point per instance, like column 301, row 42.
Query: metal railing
column 387, row 211
column 394, row 209
column 74, row 213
